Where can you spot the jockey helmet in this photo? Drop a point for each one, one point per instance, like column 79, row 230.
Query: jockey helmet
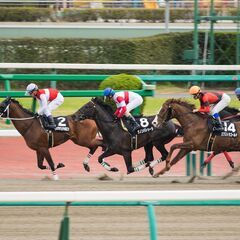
column 108, row 92
column 237, row 91
column 30, row 88
column 194, row 90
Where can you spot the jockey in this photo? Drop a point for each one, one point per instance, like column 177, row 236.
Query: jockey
column 126, row 101
column 211, row 102
column 48, row 98
column 237, row 92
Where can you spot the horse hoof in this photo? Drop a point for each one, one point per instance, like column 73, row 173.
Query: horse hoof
column 147, row 164
column 60, row 165
column 231, row 164
column 155, row 176
column 86, row 167
column 44, row 167
column 114, row 169
column 151, row 171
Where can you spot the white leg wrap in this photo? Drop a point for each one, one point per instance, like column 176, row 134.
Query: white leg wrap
column 155, row 162
column 139, row 168
column 106, row 166
column 87, row 158
column 137, row 164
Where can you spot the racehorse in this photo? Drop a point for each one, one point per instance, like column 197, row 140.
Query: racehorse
column 196, row 133
column 82, row 133
column 119, row 141
column 227, row 114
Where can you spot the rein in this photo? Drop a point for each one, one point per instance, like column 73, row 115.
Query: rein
column 16, row 119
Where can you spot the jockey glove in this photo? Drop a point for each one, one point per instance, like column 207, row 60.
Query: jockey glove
column 120, row 111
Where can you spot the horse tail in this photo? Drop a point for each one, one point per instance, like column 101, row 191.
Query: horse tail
column 178, row 130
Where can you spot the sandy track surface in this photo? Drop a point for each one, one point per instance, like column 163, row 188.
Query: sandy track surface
column 118, row 223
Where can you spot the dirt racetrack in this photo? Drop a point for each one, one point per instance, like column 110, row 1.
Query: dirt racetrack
column 19, row 172
column 118, row 223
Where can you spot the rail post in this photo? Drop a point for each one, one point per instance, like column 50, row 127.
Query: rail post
column 152, row 221
column 7, row 87
column 191, row 163
column 64, row 227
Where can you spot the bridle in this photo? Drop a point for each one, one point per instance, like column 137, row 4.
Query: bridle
column 83, row 116
column 170, row 112
column 6, row 110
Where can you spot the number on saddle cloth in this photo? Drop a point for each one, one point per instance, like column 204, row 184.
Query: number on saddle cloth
column 60, row 121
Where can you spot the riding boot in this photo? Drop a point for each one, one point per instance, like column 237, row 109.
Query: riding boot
column 218, row 124
column 134, row 125
column 51, row 122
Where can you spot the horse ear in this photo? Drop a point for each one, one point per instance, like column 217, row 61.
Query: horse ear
column 8, row 98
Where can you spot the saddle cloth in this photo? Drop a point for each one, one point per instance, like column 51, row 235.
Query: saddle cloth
column 145, row 124
column 229, row 128
column 60, row 121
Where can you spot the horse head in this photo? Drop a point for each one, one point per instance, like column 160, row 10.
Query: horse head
column 93, row 108
column 170, row 109
column 4, row 105
column 87, row 111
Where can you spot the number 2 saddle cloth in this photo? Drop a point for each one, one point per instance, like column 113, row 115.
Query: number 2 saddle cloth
column 60, row 121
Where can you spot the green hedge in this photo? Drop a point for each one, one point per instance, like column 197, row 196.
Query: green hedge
column 159, row 49
column 122, row 82
column 26, row 14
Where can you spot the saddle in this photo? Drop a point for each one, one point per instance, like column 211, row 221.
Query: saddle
column 60, row 121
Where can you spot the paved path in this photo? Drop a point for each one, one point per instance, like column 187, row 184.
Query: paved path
column 99, row 30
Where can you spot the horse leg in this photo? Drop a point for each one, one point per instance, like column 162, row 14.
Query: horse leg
column 107, row 153
column 206, row 162
column 95, row 144
column 148, row 156
column 161, row 148
column 40, row 159
column 229, row 159
column 227, row 156
column 180, row 155
column 46, row 154
column 186, row 145
column 87, row 158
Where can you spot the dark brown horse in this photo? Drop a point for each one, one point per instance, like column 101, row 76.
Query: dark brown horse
column 119, row 141
column 82, row 133
column 197, row 135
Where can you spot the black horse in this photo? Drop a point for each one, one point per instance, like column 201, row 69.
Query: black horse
column 120, row 141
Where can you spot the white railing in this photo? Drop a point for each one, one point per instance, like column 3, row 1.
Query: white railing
column 153, row 67
column 9, row 133
column 116, row 196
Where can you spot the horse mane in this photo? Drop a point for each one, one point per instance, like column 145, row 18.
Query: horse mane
column 24, row 109
column 104, row 105
column 188, row 105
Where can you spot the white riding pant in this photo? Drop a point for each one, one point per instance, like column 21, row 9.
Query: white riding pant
column 55, row 103
column 133, row 104
column 221, row 104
